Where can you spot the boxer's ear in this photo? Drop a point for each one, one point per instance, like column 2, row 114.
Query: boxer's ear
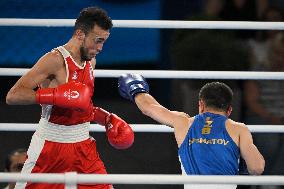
column 229, row 111
column 201, row 106
column 80, row 35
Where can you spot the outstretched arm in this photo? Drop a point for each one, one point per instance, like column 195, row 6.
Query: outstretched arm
column 150, row 107
column 135, row 88
column 253, row 158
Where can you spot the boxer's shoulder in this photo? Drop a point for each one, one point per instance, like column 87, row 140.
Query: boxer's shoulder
column 55, row 57
column 50, row 63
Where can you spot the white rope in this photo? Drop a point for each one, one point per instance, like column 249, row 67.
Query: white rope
column 71, row 180
column 138, row 128
column 169, row 24
column 144, row 179
column 164, row 74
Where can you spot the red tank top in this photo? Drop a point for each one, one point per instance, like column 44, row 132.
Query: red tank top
column 75, row 72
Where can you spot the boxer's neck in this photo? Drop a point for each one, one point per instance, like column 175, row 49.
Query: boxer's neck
column 74, row 51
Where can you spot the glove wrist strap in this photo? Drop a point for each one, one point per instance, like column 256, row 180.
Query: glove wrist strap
column 135, row 89
column 101, row 116
column 45, row 96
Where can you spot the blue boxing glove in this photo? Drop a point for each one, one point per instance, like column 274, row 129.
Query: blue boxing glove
column 131, row 84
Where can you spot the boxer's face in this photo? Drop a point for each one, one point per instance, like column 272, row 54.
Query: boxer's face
column 93, row 43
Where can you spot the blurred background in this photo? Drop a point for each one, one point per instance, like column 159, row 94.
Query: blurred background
column 255, row 102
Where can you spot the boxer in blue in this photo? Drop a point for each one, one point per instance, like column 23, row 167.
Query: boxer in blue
column 209, row 143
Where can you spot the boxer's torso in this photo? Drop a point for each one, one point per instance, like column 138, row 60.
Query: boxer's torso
column 208, row 149
column 69, row 71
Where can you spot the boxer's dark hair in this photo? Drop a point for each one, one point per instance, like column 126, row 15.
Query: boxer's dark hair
column 216, row 95
column 91, row 16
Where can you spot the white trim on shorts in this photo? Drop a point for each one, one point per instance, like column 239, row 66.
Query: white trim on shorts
column 55, row 133
column 33, row 153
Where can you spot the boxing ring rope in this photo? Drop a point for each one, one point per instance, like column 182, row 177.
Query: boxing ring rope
column 164, row 74
column 139, row 128
column 158, row 24
column 72, row 178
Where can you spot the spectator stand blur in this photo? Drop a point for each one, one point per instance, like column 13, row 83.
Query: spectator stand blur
column 259, row 44
column 241, row 10
column 210, row 50
column 265, row 98
column 265, row 103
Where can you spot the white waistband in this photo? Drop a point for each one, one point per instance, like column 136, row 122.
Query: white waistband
column 62, row 133
column 209, row 186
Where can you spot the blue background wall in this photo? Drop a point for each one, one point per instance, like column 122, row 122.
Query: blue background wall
column 22, row 46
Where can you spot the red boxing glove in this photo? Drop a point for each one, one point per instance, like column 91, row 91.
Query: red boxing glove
column 69, row 95
column 119, row 133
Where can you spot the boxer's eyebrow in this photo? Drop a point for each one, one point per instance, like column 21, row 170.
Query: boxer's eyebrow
column 99, row 39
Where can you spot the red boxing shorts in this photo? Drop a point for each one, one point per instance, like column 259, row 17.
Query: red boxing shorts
column 59, row 149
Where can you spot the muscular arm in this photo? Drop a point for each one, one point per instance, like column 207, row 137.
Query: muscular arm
column 180, row 121
column 150, row 107
column 134, row 87
column 22, row 93
column 254, row 160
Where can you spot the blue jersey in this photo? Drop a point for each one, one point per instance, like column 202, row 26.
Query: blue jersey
column 208, row 148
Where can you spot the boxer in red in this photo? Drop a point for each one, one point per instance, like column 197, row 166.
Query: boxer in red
column 62, row 81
